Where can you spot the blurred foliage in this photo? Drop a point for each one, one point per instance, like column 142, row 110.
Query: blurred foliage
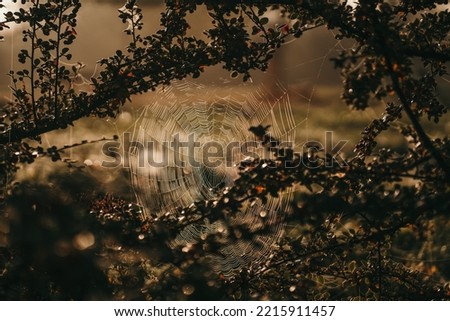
column 377, row 228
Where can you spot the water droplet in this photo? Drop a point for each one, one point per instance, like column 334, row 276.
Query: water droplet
column 188, row 289
column 141, row 237
column 226, row 200
column 263, row 213
column 234, row 74
column 254, row 295
column 292, row 288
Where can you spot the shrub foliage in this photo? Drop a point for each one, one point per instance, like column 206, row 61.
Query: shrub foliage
column 375, row 229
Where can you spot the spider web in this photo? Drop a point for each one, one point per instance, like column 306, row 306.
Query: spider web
column 213, row 114
column 221, row 113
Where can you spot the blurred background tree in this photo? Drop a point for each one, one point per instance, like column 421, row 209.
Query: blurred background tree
column 375, row 229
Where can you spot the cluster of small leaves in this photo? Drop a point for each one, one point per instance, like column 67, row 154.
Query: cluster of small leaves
column 151, row 60
column 383, row 67
column 130, row 13
column 122, row 219
column 2, row 24
column 27, row 153
column 44, row 85
column 368, row 137
column 43, row 90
